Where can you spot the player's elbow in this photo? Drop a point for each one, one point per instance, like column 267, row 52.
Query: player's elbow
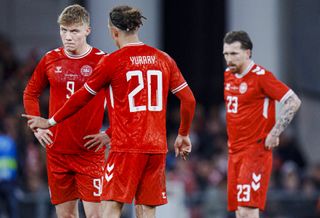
column 297, row 102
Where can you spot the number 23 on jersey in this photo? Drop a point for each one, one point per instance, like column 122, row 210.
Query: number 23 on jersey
column 232, row 104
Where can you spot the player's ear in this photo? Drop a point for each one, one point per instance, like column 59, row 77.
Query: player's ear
column 114, row 32
column 88, row 31
column 248, row 51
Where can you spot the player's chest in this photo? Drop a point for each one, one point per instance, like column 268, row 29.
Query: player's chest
column 64, row 71
column 245, row 90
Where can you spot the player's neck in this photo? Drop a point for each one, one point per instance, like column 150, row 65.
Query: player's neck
column 130, row 39
column 245, row 66
column 245, row 69
column 80, row 51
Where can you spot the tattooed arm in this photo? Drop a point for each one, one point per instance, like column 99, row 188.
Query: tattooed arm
column 287, row 112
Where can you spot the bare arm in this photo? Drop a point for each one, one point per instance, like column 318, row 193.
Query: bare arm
column 287, row 112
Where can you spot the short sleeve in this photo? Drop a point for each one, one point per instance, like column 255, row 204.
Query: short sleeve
column 101, row 76
column 177, row 81
column 272, row 87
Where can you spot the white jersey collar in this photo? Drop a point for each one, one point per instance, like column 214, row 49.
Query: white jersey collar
column 133, row 44
column 78, row 56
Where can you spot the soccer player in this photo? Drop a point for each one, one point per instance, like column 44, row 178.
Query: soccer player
column 74, row 171
column 250, row 92
column 141, row 77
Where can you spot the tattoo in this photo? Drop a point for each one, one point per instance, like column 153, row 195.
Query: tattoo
column 289, row 109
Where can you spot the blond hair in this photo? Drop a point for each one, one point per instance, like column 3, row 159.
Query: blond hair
column 74, row 14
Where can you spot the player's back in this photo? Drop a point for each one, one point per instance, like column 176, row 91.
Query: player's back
column 140, row 83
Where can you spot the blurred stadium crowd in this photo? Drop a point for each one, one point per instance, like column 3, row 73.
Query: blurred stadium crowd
column 295, row 182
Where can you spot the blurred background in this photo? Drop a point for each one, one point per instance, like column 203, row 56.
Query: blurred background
column 286, row 39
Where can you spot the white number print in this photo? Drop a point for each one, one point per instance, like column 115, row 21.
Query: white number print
column 243, row 193
column 70, row 88
column 232, row 104
column 135, row 108
column 98, row 185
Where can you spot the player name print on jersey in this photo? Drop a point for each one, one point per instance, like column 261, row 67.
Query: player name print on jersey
column 137, row 60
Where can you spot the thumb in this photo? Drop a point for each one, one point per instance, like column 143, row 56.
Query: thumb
column 177, row 148
column 176, row 151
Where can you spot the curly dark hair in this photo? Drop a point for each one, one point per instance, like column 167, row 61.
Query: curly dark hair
column 126, row 18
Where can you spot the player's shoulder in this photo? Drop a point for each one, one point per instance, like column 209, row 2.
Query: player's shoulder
column 57, row 52
column 98, row 52
column 259, row 70
column 227, row 72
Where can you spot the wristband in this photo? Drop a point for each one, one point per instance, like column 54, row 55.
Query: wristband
column 52, row 122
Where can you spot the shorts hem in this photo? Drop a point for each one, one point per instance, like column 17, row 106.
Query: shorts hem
column 231, row 209
column 151, row 204
column 56, row 202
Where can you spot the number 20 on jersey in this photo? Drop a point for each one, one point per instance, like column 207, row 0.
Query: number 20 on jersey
column 158, row 92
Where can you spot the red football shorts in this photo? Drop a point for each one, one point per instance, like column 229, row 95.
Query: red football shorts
column 136, row 176
column 249, row 173
column 75, row 176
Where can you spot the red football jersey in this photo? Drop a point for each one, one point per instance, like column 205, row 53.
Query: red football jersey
column 140, row 77
column 66, row 74
column 250, row 105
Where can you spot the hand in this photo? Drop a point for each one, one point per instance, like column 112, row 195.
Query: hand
column 35, row 122
column 100, row 139
column 271, row 141
column 182, row 146
column 43, row 136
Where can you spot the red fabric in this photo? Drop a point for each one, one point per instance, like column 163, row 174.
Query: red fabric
column 140, row 78
column 249, row 173
column 66, row 75
column 250, row 106
column 75, row 176
column 136, row 176
column 187, row 108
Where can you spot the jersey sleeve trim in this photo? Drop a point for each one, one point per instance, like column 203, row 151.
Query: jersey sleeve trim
column 91, row 91
column 286, row 96
column 52, row 122
column 179, row 88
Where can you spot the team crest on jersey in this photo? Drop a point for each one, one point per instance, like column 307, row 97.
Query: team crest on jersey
column 58, row 69
column 243, row 87
column 86, row 70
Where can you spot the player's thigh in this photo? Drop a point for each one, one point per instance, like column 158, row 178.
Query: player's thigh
column 143, row 211
column 247, row 212
column 67, row 209
column 89, row 173
column 111, row 209
column 61, row 179
column 254, row 176
column 122, row 175
column 92, row 209
column 152, row 186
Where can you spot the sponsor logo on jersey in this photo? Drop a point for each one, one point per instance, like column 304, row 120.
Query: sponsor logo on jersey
column 164, row 195
column 58, row 69
column 243, row 87
column 86, row 70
